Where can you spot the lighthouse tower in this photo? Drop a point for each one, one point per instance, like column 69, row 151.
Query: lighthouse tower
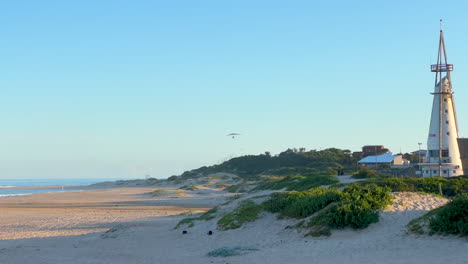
column 443, row 155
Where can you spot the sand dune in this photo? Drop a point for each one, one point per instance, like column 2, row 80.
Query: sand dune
column 127, row 225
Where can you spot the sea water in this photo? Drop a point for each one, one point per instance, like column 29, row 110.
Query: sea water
column 6, row 184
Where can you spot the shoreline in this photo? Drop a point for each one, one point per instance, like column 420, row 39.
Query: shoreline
column 31, row 190
column 72, row 187
column 45, row 187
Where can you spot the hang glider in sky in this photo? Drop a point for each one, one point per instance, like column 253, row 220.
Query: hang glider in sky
column 233, row 135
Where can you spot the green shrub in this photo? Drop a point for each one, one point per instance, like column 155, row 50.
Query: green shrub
column 358, row 208
column 297, row 182
column 208, row 215
column 186, row 221
column 189, row 188
column 246, row 212
column 230, row 251
column 356, row 215
column 158, row 192
column 301, row 204
column 450, row 186
column 291, row 171
column 455, row 186
column 238, row 188
column 172, row 178
column 365, row 173
column 451, row 218
column 189, row 222
column 377, row 197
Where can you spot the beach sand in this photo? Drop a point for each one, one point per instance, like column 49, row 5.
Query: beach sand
column 128, row 225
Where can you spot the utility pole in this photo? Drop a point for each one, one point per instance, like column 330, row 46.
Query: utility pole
column 419, row 153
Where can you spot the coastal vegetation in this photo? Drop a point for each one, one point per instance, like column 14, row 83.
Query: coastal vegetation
column 325, row 209
column 356, row 206
column 295, row 182
column 365, row 173
column 247, row 211
column 189, row 222
column 189, row 188
column 289, row 162
column 449, row 219
column 304, row 189
column 448, row 187
column 158, row 192
column 301, row 204
column 231, row 251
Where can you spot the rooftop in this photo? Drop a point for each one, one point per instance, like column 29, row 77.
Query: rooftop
column 384, row 158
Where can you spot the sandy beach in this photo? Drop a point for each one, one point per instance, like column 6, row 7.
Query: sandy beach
column 125, row 224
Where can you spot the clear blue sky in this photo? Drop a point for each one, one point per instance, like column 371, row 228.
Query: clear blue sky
column 129, row 88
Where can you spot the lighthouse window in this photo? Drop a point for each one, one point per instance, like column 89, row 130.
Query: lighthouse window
column 454, row 171
column 446, row 122
column 435, row 153
column 446, row 111
column 445, row 99
column 448, row 133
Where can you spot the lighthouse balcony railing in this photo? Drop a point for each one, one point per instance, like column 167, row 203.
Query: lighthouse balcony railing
column 441, row 67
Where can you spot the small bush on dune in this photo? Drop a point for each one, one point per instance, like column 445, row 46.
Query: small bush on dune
column 246, row 212
column 230, row 251
column 450, row 186
column 301, row 204
column 158, row 192
column 189, row 188
column 297, row 182
column 377, row 197
column 365, row 173
column 292, row 171
column 237, row 188
column 456, row 186
column 358, row 208
column 189, row 222
column 451, row 218
column 172, row 178
column 356, row 215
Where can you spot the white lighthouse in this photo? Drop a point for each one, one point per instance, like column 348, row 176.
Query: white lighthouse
column 443, row 155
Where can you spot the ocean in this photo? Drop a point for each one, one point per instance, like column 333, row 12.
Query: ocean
column 6, row 183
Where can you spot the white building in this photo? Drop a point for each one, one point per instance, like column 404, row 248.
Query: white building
column 443, row 156
column 386, row 159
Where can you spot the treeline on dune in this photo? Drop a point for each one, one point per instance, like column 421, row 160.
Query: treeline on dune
column 291, row 161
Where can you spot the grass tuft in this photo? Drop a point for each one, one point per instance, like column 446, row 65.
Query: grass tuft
column 358, row 208
column 296, row 182
column 451, row 218
column 450, row 186
column 158, row 192
column 301, row 204
column 189, row 221
column 230, row 251
column 247, row 211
